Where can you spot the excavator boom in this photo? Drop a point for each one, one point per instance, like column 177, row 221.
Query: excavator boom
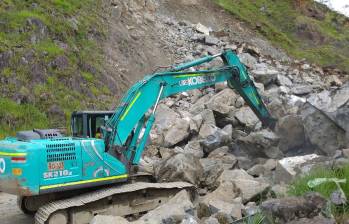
column 70, row 179
column 145, row 94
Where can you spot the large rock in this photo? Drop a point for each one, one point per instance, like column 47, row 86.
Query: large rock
column 180, row 167
column 335, row 105
column 212, row 170
column 174, row 211
column 263, row 143
column 321, row 131
column 223, row 102
column 247, row 117
column 290, row 167
column 222, row 200
column 165, row 119
column 222, row 154
column 288, row 209
column 265, row 76
column 250, row 188
column 194, row 147
column 213, row 137
column 291, row 131
column 248, row 59
column 177, row 133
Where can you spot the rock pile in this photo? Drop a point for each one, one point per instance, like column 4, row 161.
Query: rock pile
column 212, row 139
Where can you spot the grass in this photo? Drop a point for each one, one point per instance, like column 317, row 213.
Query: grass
column 300, row 186
column 24, row 117
column 279, row 22
column 72, row 28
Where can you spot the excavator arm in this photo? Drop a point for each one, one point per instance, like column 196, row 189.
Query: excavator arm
column 129, row 128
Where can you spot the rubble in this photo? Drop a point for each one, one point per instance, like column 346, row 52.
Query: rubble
column 174, row 211
column 289, row 209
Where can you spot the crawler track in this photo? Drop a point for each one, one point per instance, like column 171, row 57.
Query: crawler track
column 125, row 199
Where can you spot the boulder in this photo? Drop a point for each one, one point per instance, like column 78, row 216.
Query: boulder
column 248, row 59
column 180, row 167
column 202, row 29
column 213, row 137
column 106, row 219
column 177, row 133
column 199, row 105
column 195, row 123
column 324, row 134
column 222, row 200
column 291, row 131
column 223, row 102
column 209, row 40
column 250, row 189
column 194, row 147
column 228, row 210
column 212, row 170
column 247, row 117
column 266, row 76
column 292, row 208
column 283, row 80
column 257, row 170
column 263, row 143
column 290, row 167
column 174, row 211
column 335, row 105
column 166, row 152
column 208, row 117
column 223, row 155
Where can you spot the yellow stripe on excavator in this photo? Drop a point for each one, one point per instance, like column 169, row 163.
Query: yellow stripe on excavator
column 83, row 182
column 12, row 154
column 130, row 106
column 189, row 75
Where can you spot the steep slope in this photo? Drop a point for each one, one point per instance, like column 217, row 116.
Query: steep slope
column 50, row 61
column 304, row 28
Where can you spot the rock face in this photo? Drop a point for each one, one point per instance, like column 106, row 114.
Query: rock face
column 288, row 209
column 322, row 133
column 174, row 211
column 180, row 167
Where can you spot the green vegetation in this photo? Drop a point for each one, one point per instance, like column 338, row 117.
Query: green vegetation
column 55, row 61
column 302, row 28
column 300, row 187
column 15, row 116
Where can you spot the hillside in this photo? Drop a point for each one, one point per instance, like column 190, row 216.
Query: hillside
column 58, row 56
column 50, row 61
column 303, row 28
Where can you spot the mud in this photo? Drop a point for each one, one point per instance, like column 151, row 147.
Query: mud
column 10, row 213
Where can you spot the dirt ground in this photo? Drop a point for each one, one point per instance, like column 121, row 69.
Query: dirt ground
column 9, row 212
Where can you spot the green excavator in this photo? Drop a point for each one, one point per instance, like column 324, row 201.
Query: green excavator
column 71, row 179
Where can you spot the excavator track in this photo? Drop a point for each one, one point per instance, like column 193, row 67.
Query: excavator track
column 121, row 200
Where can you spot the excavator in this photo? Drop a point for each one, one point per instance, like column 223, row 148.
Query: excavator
column 71, row 179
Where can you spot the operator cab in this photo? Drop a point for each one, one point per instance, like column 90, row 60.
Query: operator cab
column 87, row 124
